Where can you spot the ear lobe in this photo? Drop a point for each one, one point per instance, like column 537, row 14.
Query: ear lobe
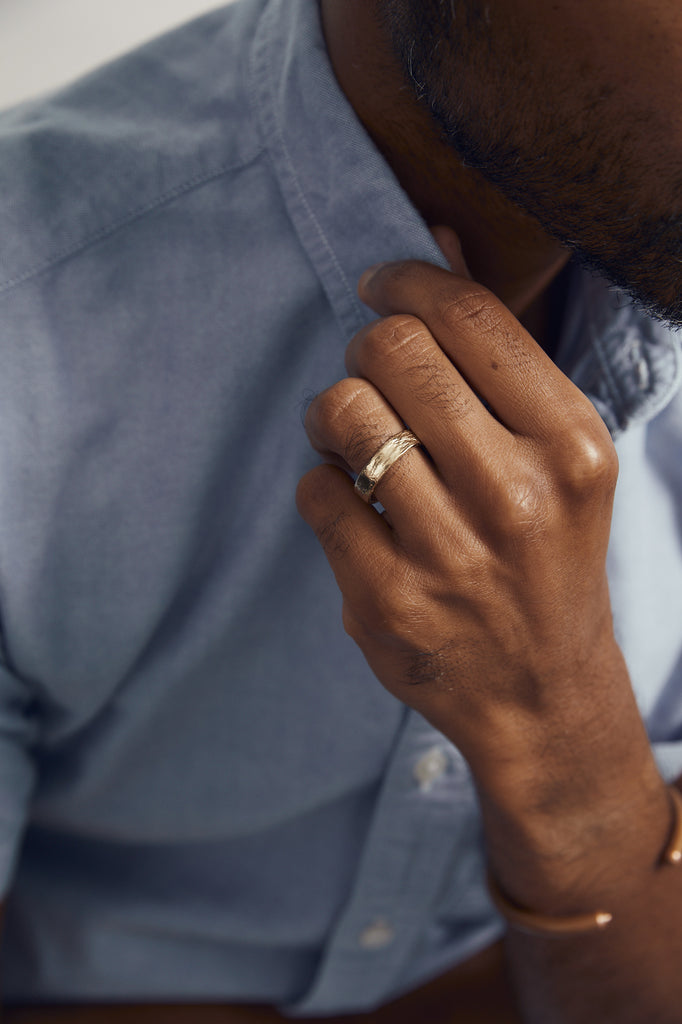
column 448, row 243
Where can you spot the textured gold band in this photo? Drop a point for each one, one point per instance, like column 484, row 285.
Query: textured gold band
column 390, row 451
column 544, row 924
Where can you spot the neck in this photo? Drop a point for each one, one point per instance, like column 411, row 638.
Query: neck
column 505, row 250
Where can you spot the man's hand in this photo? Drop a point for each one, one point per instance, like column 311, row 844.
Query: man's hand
column 480, row 597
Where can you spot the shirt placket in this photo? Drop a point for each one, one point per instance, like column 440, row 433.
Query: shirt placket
column 423, row 816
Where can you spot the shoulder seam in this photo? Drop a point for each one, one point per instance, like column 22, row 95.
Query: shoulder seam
column 165, row 197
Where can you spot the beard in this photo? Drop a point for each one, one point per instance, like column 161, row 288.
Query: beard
column 563, row 147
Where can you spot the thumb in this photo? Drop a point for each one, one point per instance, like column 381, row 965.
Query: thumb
column 448, row 243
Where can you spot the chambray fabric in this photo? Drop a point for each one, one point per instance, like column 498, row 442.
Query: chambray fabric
column 204, row 792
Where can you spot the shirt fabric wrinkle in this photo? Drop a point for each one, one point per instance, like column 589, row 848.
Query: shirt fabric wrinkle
column 242, row 813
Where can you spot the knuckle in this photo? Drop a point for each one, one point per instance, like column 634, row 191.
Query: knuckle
column 476, row 307
column 393, row 335
column 589, row 465
column 414, row 355
column 334, row 403
column 433, row 386
column 347, row 419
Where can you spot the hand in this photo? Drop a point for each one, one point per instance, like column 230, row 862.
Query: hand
column 480, row 598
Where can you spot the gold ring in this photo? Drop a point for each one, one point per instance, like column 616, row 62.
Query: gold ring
column 390, row 451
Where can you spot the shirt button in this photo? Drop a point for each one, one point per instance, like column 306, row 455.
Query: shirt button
column 430, row 767
column 377, row 935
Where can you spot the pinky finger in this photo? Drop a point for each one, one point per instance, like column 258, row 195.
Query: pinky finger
column 357, row 541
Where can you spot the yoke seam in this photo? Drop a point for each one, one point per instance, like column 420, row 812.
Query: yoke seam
column 129, row 218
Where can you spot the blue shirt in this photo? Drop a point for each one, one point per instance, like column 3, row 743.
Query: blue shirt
column 217, row 799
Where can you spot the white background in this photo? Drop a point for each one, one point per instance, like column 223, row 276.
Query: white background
column 45, row 43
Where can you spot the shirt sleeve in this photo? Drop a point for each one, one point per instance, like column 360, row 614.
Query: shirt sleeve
column 17, row 770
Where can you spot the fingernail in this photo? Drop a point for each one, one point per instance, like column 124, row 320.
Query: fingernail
column 366, row 278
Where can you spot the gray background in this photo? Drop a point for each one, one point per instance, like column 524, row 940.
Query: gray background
column 45, row 43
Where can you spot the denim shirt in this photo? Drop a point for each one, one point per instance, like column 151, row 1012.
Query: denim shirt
column 204, row 792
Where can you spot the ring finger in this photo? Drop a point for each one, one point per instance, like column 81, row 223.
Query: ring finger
column 348, row 423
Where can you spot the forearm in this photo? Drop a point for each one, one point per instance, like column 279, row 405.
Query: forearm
column 481, row 600
column 592, row 841
column 628, row 974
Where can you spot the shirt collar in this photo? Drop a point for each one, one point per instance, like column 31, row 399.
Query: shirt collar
column 349, row 212
column 627, row 363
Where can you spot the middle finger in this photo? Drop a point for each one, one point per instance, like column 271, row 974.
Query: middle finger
column 400, row 356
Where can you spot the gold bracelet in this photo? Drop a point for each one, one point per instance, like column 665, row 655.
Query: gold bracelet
column 673, row 851
column 545, row 924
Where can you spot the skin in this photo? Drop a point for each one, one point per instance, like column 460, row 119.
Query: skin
column 481, row 601
column 568, row 118
column 480, row 598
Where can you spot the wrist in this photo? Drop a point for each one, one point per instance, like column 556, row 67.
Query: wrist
column 566, row 838
column 561, row 867
column 526, row 920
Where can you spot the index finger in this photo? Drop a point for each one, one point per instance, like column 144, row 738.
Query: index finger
column 499, row 359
